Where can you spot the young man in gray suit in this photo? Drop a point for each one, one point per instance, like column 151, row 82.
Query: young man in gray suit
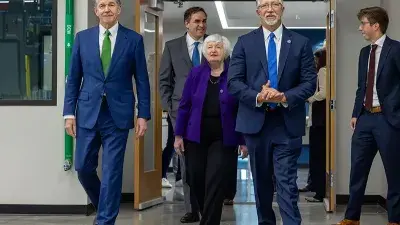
column 180, row 55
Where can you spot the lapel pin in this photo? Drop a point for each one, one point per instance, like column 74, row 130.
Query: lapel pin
column 221, row 91
column 289, row 41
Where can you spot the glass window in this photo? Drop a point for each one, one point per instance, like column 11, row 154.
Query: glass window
column 27, row 58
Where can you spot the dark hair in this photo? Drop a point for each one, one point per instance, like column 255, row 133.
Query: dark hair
column 190, row 11
column 321, row 58
column 375, row 15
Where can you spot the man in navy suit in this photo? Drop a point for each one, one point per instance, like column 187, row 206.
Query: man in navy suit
column 376, row 115
column 99, row 97
column 272, row 73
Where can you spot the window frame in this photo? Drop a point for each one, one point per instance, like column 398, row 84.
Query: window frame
column 53, row 101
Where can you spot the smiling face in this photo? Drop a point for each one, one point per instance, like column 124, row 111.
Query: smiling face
column 270, row 12
column 196, row 25
column 369, row 30
column 108, row 12
column 215, row 51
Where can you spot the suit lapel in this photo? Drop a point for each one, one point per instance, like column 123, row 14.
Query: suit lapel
column 185, row 51
column 285, row 48
column 385, row 50
column 120, row 46
column 364, row 66
column 96, row 46
column 260, row 49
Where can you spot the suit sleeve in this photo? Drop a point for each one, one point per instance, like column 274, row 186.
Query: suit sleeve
column 166, row 79
column 237, row 77
column 185, row 105
column 142, row 81
column 74, row 79
column 359, row 97
column 308, row 79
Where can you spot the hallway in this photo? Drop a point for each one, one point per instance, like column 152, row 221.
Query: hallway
column 170, row 214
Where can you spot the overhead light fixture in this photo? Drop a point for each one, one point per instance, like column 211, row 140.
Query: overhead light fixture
column 148, row 30
column 27, row 1
column 219, row 5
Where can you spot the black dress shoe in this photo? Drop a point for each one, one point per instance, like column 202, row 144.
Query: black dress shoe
column 305, row 189
column 314, row 199
column 190, row 218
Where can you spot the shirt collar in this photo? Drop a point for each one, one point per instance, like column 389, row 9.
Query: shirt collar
column 278, row 33
column 380, row 41
column 113, row 30
column 190, row 41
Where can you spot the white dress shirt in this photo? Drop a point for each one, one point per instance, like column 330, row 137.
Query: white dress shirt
column 113, row 37
column 379, row 43
column 190, row 45
column 278, row 40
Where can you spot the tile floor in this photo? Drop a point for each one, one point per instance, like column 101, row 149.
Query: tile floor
column 242, row 213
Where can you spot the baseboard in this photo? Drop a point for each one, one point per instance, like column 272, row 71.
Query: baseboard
column 47, row 209
column 57, row 209
column 368, row 200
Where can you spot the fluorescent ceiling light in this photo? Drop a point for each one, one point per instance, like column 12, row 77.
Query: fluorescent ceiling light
column 219, row 5
column 221, row 14
column 148, row 30
column 28, row 1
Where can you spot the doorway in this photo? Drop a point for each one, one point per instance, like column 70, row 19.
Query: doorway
column 147, row 150
column 232, row 25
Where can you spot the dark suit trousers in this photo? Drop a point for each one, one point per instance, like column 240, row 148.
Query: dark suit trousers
column 169, row 150
column 104, row 195
column 318, row 159
column 373, row 132
column 209, row 164
column 232, row 179
column 273, row 150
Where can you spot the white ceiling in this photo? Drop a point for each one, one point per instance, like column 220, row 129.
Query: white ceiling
column 243, row 14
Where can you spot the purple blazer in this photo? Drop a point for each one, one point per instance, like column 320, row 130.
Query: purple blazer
column 188, row 121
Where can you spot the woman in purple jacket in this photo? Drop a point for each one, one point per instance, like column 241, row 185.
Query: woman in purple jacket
column 206, row 120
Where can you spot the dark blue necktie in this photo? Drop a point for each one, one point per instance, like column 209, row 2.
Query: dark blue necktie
column 272, row 65
column 196, row 54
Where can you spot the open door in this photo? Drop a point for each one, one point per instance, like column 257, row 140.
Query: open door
column 147, row 162
column 330, row 200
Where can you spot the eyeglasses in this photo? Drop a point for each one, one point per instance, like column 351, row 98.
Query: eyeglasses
column 273, row 5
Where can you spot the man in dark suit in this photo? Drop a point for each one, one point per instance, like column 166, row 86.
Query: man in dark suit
column 99, row 94
column 376, row 115
column 179, row 56
column 272, row 73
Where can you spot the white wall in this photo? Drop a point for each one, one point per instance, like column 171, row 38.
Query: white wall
column 32, row 143
column 349, row 44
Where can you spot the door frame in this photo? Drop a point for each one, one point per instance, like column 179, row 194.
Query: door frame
column 330, row 200
column 147, row 184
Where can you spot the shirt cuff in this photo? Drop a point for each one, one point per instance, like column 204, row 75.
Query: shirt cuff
column 69, row 117
column 284, row 104
column 258, row 104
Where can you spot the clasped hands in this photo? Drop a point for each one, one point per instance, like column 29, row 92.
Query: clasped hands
column 271, row 95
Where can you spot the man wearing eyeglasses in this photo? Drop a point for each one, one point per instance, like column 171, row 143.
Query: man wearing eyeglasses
column 272, row 73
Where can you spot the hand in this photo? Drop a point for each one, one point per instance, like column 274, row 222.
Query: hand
column 70, row 127
column 178, row 145
column 269, row 94
column 244, row 151
column 141, row 127
column 353, row 122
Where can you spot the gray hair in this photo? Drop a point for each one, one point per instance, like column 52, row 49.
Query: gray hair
column 95, row 2
column 258, row 2
column 219, row 39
